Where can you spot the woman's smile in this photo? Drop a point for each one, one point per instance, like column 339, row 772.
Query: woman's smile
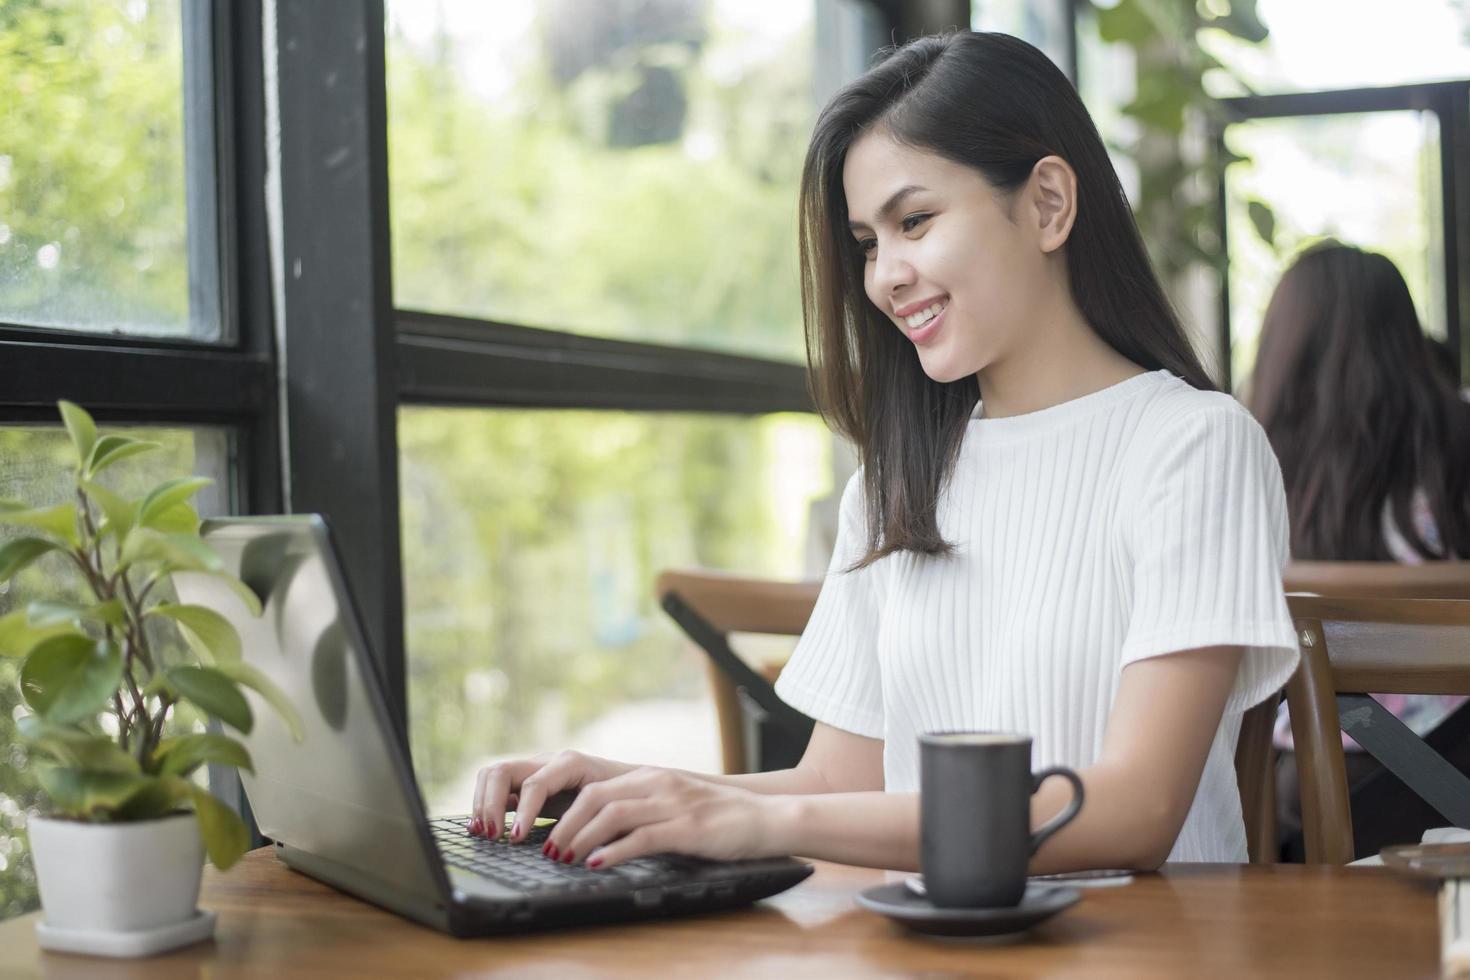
column 921, row 321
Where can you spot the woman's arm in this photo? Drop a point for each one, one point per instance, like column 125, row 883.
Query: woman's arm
column 1138, row 793
column 835, row 761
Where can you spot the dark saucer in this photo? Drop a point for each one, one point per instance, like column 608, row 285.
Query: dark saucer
column 900, row 904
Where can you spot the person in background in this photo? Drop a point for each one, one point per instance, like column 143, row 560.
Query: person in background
column 1374, row 445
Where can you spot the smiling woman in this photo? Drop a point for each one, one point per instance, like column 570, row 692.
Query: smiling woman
column 1091, row 555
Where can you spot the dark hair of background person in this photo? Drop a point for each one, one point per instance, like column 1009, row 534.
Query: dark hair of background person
column 1357, row 410
column 996, row 104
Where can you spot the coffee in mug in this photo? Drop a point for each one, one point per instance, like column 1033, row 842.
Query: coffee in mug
column 975, row 839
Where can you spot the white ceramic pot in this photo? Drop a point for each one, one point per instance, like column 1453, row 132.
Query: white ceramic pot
column 130, row 878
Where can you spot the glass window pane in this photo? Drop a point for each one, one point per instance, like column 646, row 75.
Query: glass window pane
column 1369, row 179
column 626, row 169
column 93, row 225
column 531, row 541
column 1320, row 45
column 38, row 470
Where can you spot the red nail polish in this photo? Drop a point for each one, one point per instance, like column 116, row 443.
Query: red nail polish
column 515, row 830
column 546, row 848
column 474, row 825
column 594, row 862
column 553, row 852
column 568, row 858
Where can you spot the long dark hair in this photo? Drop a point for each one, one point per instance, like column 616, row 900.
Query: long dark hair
column 1349, row 395
column 995, row 104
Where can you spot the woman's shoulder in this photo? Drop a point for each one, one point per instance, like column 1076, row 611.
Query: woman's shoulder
column 1176, row 407
column 1179, row 418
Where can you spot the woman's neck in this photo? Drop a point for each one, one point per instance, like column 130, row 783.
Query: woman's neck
column 1063, row 359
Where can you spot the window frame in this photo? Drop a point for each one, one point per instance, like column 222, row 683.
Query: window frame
column 1450, row 102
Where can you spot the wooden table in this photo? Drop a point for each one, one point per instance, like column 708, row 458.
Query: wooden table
column 1190, row 921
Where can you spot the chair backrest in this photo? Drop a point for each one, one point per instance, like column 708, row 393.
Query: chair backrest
column 1380, row 579
column 1353, row 645
column 709, row 606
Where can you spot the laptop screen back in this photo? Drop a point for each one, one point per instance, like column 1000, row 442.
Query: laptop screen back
column 347, row 792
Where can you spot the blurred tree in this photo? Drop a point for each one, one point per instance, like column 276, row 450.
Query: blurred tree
column 92, row 225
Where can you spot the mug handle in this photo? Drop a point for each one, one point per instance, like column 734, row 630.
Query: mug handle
column 1059, row 821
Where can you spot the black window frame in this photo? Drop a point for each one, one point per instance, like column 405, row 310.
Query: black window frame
column 1450, row 102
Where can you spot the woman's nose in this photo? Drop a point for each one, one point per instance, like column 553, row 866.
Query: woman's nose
column 892, row 272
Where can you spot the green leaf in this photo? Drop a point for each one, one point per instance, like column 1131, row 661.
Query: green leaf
column 242, row 673
column 74, row 748
column 18, row 635
column 207, row 632
column 60, row 520
column 183, row 754
column 159, row 798
column 1263, row 219
column 51, row 612
column 113, row 449
column 1127, row 22
column 69, row 677
column 164, row 496
column 224, row 833
column 178, row 519
column 19, row 553
column 80, row 427
column 177, row 551
column 215, row 693
column 88, row 794
column 120, row 512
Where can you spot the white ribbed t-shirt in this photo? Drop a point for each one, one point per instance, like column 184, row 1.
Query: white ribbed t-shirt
column 1140, row 520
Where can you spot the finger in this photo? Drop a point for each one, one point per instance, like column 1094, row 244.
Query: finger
column 477, row 802
column 499, row 781
column 563, row 771
column 618, row 818
column 655, row 838
column 634, row 785
column 497, row 798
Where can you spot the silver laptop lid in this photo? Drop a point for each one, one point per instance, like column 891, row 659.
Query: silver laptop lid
column 347, row 793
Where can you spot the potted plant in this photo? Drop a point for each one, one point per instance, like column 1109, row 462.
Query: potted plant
column 119, row 856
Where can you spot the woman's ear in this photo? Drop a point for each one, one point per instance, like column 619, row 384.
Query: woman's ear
column 1054, row 191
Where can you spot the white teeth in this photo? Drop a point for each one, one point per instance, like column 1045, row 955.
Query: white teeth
column 924, row 316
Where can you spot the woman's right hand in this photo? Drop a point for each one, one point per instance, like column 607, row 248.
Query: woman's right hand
column 526, row 786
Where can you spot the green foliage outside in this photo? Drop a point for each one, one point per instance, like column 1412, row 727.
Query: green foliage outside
column 518, row 210
column 92, row 224
column 531, row 543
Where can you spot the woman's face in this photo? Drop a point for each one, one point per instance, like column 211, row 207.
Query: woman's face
column 944, row 261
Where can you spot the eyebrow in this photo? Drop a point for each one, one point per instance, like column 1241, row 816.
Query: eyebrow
column 889, row 206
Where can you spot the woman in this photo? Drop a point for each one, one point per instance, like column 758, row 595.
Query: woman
column 1023, row 562
column 1374, row 444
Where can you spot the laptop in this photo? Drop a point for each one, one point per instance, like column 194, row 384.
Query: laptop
column 343, row 806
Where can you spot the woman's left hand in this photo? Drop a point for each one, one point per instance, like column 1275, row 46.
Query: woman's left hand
column 651, row 811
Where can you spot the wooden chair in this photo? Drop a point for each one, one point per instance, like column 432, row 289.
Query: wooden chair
column 760, row 731
column 1367, row 579
column 1380, row 579
column 1351, row 646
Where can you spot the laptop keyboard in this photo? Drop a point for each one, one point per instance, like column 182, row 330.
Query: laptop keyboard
column 522, row 866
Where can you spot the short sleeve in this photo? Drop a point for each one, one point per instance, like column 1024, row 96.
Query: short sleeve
column 1209, row 540
column 833, row 674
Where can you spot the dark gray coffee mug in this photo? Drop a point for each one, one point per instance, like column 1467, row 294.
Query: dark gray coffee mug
column 975, row 816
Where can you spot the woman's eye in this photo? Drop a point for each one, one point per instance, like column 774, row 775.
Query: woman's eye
column 866, row 245
column 913, row 221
